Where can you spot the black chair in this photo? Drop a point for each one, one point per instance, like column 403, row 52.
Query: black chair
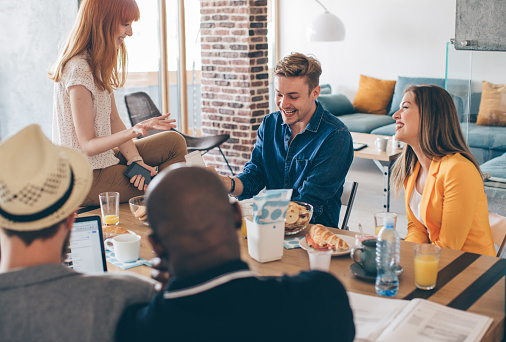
column 140, row 107
column 347, row 199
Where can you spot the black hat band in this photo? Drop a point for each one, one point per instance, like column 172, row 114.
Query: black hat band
column 44, row 213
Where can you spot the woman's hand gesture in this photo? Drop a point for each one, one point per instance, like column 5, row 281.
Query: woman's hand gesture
column 162, row 123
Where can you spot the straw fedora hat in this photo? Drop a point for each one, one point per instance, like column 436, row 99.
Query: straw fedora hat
column 40, row 183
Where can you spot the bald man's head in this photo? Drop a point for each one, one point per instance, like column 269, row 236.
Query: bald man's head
column 191, row 215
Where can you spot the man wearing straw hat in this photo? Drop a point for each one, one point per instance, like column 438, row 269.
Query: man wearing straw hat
column 213, row 295
column 41, row 186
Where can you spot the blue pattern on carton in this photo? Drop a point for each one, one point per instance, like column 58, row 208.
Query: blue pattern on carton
column 270, row 206
column 271, row 212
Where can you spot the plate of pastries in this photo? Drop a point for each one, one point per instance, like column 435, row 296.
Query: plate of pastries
column 319, row 237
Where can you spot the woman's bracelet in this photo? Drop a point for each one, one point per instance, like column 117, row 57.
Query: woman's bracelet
column 232, row 186
column 135, row 159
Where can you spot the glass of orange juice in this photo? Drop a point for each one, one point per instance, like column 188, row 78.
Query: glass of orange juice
column 244, row 229
column 247, row 212
column 378, row 220
column 109, row 206
column 426, row 265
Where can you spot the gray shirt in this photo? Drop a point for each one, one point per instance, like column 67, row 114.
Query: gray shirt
column 54, row 303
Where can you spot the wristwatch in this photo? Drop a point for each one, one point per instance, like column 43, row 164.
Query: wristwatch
column 232, row 185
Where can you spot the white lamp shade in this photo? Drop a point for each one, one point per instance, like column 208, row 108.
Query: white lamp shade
column 326, row 27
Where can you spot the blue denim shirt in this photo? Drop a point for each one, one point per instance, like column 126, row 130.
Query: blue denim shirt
column 314, row 165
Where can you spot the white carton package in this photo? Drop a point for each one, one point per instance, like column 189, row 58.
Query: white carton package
column 266, row 230
column 265, row 241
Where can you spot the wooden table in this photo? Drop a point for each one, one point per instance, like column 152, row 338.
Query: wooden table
column 128, row 221
column 383, row 160
column 466, row 281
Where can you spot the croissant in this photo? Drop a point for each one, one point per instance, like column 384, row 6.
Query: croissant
column 322, row 236
column 114, row 230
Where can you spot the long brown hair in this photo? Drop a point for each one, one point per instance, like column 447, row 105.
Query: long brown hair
column 93, row 32
column 440, row 132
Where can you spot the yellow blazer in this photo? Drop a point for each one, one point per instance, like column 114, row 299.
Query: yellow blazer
column 453, row 207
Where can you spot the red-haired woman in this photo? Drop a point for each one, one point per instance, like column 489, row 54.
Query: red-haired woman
column 91, row 65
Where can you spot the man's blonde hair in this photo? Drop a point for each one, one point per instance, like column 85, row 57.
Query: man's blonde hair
column 300, row 65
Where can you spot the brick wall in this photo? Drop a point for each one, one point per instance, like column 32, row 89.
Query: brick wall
column 235, row 94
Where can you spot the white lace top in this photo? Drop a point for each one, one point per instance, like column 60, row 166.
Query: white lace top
column 414, row 204
column 77, row 72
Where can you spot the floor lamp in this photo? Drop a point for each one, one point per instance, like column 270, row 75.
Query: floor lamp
column 326, row 27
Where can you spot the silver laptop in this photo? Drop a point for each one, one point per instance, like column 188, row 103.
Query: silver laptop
column 86, row 253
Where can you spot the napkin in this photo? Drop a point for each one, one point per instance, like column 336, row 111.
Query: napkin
column 292, row 242
column 270, row 206
column 125, row 265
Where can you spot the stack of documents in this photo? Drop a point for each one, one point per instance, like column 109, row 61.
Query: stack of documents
column 418, row 320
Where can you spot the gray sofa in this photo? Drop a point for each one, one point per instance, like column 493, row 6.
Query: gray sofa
column 340, row 106
column 486, row 142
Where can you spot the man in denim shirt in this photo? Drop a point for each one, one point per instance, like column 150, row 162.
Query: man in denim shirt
column 302, row 146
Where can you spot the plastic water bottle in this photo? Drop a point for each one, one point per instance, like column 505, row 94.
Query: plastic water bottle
column 387, row 258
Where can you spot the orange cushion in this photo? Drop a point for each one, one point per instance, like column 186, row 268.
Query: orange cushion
column 492, row 105
column 373, row 95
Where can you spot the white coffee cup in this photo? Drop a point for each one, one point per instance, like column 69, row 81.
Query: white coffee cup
column 126, row 247
column 381, row 143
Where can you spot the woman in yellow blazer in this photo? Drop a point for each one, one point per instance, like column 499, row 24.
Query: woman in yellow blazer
column 445, row 200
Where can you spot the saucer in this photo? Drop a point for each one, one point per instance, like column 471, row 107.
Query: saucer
column 359, row 272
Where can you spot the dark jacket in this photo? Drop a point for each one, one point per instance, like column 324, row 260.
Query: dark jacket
column 231, row 303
